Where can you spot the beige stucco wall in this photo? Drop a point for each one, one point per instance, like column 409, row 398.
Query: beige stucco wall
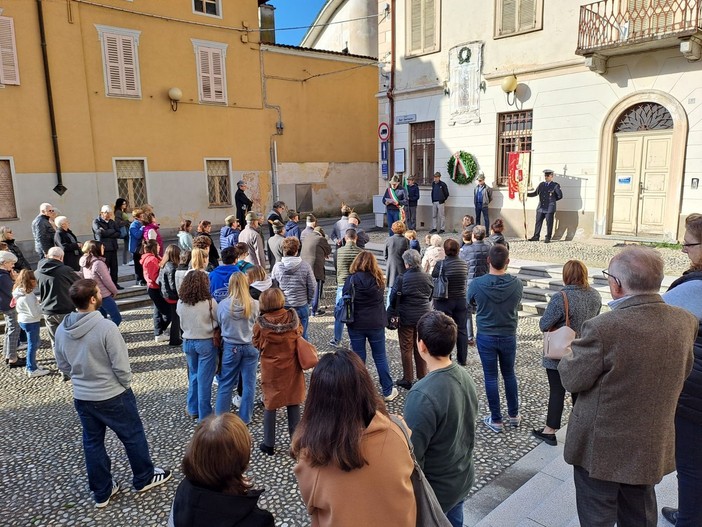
column 344, row 28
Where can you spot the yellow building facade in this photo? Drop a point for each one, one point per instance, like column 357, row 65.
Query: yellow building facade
column 296, row 125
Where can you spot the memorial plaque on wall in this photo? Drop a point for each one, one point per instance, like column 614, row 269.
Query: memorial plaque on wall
column 465, row 64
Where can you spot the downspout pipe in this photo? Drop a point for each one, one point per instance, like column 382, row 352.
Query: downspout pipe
column 391, row 92
column 60, row 189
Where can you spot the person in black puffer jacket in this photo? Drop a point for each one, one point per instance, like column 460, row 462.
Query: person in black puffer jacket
column 169, row 290
column 686, row 292
column 105, row 230
column 367, row 286
column 456, row 272
column 8, row 237
column 475, row 255
column 411, row 298
column 215, row 491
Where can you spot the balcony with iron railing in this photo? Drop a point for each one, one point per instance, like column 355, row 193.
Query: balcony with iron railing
column 617, row 27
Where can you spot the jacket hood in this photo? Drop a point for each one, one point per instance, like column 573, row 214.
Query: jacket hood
column 291, row 263
column 224, row 270
column 364, row 281
column 84, row 260
column 49, row 266
column 17, row 293
column 263, row 285
column 77, row 325
column 279, row 321
column 499, row 288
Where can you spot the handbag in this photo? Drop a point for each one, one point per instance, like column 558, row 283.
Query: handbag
column 393, row 313
column 440, row 283
column 557, row 341
column 307, row 354
column 346, row 309
column 429, row 513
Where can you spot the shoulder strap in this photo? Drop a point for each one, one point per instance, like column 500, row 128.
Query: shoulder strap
column 565, row 302
column 402, row 427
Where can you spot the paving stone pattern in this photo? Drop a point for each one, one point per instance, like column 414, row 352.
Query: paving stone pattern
column 42, row 472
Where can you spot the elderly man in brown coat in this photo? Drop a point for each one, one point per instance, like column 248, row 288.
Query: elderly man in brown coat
column 628, row 368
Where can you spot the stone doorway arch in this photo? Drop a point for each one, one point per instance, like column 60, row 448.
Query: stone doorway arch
column 620, row 119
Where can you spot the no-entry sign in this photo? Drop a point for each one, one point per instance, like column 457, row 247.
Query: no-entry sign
column 383, row 131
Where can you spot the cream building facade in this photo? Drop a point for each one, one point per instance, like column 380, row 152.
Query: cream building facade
column 607, row 95
column 172, row 103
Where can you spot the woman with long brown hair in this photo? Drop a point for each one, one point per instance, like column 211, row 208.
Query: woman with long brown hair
column 94, row 267
column 366, row 284
column 152, row 267
column 198, row 314
column 215, row 490
column 353, row 462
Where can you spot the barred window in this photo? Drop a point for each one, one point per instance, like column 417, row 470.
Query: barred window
column 422, row 151
column 131, row 181
column 8, row 206
column 219, row 188
column 513, row 135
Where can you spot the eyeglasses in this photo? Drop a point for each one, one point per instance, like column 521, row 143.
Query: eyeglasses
column 609, row 275
column 691, row 244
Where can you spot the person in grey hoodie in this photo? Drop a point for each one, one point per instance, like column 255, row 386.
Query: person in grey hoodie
column 497, row 296
column 92, row 352
column 296, row 279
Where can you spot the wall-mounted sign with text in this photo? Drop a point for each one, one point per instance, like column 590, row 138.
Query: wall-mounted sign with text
column 404, row 119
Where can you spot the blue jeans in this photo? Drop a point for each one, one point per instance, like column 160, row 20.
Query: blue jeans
column 338, row 324
column 109, row 307
column 393, row 216
column 202, row 364
column 119, row 414
column 376, row 339
column 455, row 515
column 237, row 358
column 688, row 461
column 484, row 211
column 303, row 312
column 33, row 341
column 503, row 350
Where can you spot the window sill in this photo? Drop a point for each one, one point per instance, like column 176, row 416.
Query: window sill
column 222, row 206
column 516, row 33
column 208, row 15
column 416, row 54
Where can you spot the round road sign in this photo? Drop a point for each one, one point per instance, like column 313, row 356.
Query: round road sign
column 383, row 131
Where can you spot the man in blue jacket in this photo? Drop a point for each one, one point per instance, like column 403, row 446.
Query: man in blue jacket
column 220, row 275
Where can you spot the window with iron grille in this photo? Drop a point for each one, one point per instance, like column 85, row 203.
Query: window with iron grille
column 207, row 7
column 8, row 207
column 422, row 152
column 131, row 181
column 513, row 135
column 219, row 188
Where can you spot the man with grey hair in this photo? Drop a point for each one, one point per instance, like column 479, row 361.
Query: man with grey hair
column 43, row 229
column 55, row 279
column 242, row 202
column 628, row 367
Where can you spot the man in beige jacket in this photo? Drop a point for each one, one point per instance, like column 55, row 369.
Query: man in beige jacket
column 628, row 369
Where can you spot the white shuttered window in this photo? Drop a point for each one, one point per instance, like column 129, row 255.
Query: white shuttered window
column 517, row 16
column 211, row 71
column 120, row 61
column 9, row 67
column 423, row 24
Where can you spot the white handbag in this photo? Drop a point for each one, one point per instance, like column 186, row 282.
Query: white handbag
column 557, row 341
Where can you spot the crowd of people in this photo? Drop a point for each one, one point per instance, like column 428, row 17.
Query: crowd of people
column 245, row 306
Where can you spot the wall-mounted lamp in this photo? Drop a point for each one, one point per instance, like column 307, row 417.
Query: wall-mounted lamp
column 483, row 86
column 175, row 95
column 509, row 85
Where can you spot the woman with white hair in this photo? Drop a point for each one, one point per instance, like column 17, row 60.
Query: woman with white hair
column 7, row 279
column 65, row 239
column 434, row 254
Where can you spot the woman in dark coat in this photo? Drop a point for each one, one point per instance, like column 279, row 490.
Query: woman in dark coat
column 395, row 246
column 203, row 229
column 411, row 298
column 65, row 239
column 8, row 237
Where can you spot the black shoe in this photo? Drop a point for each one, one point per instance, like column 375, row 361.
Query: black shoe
column 534, row 239
column 141, row 282
column 177, row 343
column 268, row 450
column 549, row 439
column 433, row 231
column 119, row 287
column 670, row 514
column 402, row 383
column 19, row 363
column 442, row 231
column 547, row 240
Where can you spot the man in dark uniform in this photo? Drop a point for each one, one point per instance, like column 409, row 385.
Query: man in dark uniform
column 242, row 202
column 549, row 193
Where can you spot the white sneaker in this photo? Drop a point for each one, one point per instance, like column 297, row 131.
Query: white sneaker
column 160, row 477
column 236, row 401
column 115, row 489
column 162, row 338
column 393, row 394
column 215, row 381
column 131, row 264
column 38, row 373
column 22, row 346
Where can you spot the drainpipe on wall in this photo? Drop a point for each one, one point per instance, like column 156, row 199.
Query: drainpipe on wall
column 60, row 189
column 278, row 126
column 391, row 93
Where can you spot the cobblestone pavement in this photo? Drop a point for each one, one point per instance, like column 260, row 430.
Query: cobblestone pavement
column 42, row 473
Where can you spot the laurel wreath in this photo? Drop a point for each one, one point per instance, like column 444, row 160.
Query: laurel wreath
column 470, row 165
column 464, row 55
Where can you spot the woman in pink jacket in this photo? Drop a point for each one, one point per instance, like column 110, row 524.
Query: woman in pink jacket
column 93, row 266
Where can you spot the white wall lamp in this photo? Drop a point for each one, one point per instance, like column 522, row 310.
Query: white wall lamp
column 509, row 85
column 175, row 95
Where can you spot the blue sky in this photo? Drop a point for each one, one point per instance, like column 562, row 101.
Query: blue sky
column 294, row 13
